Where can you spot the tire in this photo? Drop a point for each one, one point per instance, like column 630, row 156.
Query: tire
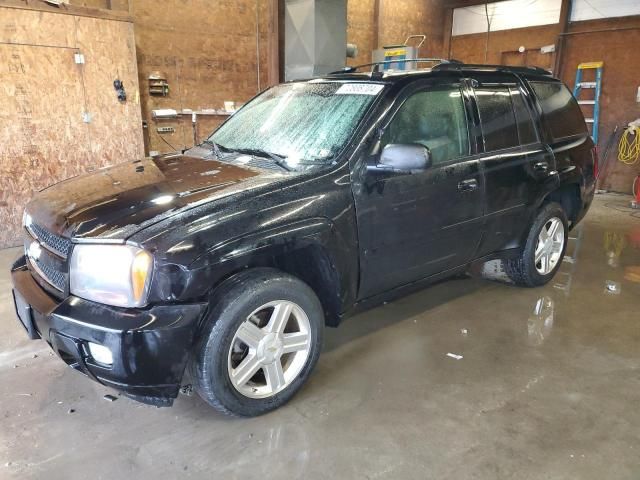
column 525, row 271
column 221, row 349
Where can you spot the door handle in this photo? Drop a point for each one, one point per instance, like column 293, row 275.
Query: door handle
column 541, row 167
column 468, row 185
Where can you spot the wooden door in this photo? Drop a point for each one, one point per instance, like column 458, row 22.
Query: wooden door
column 43, row 137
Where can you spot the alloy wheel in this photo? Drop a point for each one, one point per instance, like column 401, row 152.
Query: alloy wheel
column 549, row 246
column 269, row 349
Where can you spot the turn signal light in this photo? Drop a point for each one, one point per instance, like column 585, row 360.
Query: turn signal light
column 139, row 273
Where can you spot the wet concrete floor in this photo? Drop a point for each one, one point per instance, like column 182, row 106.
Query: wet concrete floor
column 548, row 386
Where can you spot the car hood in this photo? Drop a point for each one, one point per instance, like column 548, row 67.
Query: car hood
column 116, row 202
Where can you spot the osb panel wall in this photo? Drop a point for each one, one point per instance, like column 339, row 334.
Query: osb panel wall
column 621, row 79
column 116, row 127
column 208, row 53
column 43, row 95
column 360, row 29
column 397, row 20
column 621, row 73
column 471, row 48
column 104, row 4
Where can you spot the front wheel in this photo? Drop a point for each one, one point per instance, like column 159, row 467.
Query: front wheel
column 261, row 341
column 544, row 249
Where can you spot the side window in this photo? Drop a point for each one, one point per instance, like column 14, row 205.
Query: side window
column 497, row 118
column 560, row 109
column 526, row 129
column 435, row 119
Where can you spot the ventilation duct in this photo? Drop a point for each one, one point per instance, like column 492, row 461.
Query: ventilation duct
column 315, row 37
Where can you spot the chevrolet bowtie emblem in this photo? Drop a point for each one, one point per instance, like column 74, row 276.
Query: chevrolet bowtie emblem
column 34, row 250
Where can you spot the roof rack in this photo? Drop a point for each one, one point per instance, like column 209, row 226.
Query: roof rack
column 454, row 65
column 375, row 65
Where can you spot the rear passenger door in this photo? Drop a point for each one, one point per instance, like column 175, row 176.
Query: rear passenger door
column 518, row 167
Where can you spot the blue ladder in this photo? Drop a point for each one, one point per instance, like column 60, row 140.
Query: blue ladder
column 580, row 85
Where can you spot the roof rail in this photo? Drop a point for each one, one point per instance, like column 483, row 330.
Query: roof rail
column 375, row 65
column 502, row 68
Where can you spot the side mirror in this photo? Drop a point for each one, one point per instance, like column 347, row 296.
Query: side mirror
column 409, row 157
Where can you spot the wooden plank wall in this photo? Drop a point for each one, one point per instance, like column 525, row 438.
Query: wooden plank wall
column 44, row 93
column 471, row 48
column 397, row 20
column 208, row 53
column 122, row 5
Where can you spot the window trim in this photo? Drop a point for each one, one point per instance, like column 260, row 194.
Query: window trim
column 531, row 116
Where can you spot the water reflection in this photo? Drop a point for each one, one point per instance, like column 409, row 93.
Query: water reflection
column 614, row 243
column 284, row 445
column 540, row 322
column 541, row 319
column 564, row 277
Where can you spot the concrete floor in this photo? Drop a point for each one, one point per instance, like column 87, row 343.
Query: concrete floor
column 548, row 387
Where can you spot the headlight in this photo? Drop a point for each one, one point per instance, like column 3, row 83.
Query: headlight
column 116, row 275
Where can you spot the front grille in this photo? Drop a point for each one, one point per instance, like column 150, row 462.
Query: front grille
column 55, row 277
column 49, row 266
column 51, row 241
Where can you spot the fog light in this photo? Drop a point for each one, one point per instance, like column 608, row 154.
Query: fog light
column 101, row 354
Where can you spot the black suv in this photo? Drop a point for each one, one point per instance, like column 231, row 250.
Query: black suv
column 317, row 199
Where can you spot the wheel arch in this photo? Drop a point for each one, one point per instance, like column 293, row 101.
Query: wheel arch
column 569, row 198
column 312, row 254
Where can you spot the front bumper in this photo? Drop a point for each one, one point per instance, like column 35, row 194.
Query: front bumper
column 150, row 347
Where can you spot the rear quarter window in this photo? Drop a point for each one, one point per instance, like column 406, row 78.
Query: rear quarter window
column 561, row 111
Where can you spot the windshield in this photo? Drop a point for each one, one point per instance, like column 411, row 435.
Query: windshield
column 304, row 123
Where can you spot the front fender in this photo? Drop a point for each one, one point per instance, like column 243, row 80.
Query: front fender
column 317, row 241
column 281, row 238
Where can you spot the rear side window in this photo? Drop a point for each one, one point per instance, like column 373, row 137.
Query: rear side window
column 497, row 118
column 560, row 109
column 526, row 129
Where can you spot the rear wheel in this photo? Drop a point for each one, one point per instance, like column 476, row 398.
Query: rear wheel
column 544, row 249
column 262, row 340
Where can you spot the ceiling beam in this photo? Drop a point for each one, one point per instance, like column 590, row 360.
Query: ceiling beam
column 273, row 42
column 375, row 38
column 565, row 14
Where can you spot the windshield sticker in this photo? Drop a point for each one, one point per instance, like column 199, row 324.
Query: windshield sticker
column 359, row 89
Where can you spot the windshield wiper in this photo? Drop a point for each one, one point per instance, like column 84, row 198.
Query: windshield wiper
column 277, row 159
column 217, row 149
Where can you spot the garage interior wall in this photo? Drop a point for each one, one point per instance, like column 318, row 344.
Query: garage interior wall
column 372, row 24
column 611, row 40
column 59, row 118
column 208, row 53
column 212, row 52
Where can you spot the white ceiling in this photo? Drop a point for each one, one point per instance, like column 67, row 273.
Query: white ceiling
column 591, row 9
column 529, row 13
column 506, row 15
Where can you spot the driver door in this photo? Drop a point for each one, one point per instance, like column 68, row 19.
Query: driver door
column 412, row 225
